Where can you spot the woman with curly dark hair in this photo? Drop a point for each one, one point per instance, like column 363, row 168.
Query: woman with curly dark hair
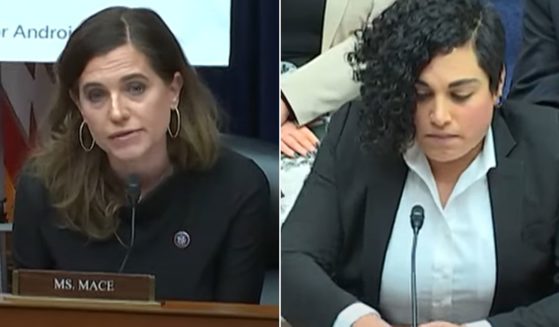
column 429, row 133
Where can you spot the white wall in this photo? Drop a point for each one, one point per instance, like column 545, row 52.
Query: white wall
column 39, row 35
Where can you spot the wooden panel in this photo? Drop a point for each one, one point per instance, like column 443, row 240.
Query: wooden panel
column 68, row 312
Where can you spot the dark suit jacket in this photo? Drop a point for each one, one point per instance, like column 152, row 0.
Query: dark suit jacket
column 536, row 75
column 335, row 239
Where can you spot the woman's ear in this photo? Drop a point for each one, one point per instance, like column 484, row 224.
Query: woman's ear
column 75, row 99
column 502, row 80
column 176, row 87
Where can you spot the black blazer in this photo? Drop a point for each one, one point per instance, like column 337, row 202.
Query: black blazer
column 536, row 74
column 335, row 239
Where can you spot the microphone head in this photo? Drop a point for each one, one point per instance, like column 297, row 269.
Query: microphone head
column 133, row 189
column 417, row 216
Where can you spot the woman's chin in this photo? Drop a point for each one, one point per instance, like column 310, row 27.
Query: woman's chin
column 131, row 153
column 443, row 156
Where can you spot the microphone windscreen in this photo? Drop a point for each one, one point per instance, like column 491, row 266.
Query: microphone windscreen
column 417, row 216
column 133, row 188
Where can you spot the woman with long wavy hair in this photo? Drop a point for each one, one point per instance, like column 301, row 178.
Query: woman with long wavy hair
column 129, row 109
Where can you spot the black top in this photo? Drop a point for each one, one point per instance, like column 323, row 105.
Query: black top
column 222, row 211
column 301, row 30
column 336, row 236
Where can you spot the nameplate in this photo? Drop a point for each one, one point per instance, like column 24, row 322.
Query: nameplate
column 70, row 284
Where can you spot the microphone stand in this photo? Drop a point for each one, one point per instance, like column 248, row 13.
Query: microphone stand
column 417, row 216
column 133, row 192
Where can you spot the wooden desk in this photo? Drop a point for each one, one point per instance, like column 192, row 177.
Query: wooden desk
column 46, row 312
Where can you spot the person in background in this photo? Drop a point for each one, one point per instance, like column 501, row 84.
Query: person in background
column 128, row 103
column 428, row 131
column 317, row 79
column 316, row 37
column 536, row 75
column 511, row 12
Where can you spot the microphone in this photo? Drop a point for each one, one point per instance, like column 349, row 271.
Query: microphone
column 417, row 216
column 133, row 192
column 133, row 189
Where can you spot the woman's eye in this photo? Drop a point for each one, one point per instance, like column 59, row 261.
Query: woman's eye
column 461, row 97
column 136, row 88
column 421, row 96
column 95, row 95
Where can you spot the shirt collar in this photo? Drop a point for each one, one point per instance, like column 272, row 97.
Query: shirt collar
column 417, row 162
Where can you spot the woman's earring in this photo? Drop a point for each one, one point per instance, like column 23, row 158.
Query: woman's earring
column 82, row 143
column 499, row 102
column 175, row 133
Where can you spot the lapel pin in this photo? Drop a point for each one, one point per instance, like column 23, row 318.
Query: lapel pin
column 181, row 239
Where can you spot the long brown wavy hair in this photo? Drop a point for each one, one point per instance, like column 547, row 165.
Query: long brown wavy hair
column 81, row 185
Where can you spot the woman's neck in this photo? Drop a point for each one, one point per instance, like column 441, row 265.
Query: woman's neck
column 446, row 174
column 151, row 172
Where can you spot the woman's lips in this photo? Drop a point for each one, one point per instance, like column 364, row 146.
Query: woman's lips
column 124, row 136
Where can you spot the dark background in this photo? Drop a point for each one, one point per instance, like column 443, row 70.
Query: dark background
column 511, row 14
column 248, row 89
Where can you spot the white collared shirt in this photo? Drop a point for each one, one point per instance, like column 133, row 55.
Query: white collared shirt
column 456, row 263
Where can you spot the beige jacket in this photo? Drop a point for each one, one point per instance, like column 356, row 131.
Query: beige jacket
column 326, row 83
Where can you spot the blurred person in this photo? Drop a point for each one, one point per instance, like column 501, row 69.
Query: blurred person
column 316, row 78
column 316, row 36
column 536, row 75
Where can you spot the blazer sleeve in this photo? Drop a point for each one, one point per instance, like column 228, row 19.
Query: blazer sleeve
column 326, row 83
column 542, row 313
column 241, row 266
column 31, row 209
column 536, row 74
column 322, row 85
column 311, row 242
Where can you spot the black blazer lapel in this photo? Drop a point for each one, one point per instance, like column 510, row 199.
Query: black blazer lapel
column 384, row 189
column 505, row 189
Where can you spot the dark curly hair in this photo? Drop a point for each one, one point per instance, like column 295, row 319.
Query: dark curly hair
column 395, row 47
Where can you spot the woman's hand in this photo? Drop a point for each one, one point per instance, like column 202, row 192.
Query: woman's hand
column 284, row 112
column 297, row 139
column 370, row 320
